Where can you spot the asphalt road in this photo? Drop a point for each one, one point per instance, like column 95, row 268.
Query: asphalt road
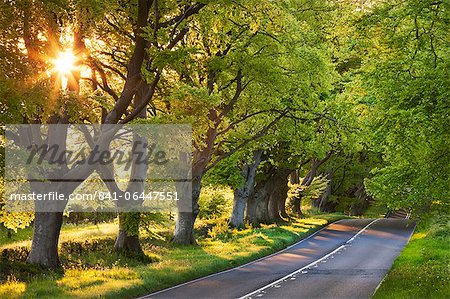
column 347, row 259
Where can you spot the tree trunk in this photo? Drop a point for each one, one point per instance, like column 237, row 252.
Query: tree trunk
column 184, row 227
column 127, row 243
column 48, row 218
column 278, row 194
column 44, row 247
column 128, row 236
column 239, row 203
column 257, row 205
column 282, row 201
column 129, row 219
column 284, row 189
column 250, row 211
column 262, row 203
column 297, row 206
column 242, row 194
column 327, row 193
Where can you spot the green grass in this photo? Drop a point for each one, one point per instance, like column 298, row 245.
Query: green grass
column 423, row 268
column 20, row 235
column 100, row 272
column 69, row 232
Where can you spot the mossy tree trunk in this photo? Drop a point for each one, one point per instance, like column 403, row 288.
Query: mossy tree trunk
column 242, row 193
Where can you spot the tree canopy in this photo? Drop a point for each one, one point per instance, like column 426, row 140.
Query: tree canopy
column 345, row 99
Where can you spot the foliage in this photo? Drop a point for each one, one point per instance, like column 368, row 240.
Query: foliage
column 313, row 191
column 8, row 220
column 226, row 172
column 406, row 93
column 215, row 202
column 350, row 205
column 220, row 230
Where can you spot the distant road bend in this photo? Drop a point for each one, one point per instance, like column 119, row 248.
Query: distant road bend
column 346, row 259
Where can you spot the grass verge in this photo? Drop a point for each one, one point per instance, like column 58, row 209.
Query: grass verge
column 423, row 268
column 99, row 273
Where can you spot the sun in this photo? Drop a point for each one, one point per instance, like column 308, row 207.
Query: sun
column 64, row 64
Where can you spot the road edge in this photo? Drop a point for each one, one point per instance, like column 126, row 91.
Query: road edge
column 387, row 273
column 310, row 264
column 243, row 265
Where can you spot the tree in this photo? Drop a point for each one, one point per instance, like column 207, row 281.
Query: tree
column 138, row 87
column 406, row 94
column 245, row 190
column 242, row 83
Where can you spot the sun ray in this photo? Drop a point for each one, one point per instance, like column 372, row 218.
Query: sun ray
column 64, row 65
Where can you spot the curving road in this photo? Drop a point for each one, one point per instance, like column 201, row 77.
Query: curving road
column 346, row 259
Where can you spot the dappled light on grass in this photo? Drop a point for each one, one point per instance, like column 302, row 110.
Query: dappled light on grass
column 111, row 275
column 82, row 283
column 72, row 232
column 418, row 235
column 12, row 289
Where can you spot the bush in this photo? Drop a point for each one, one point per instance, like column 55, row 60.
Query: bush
column 89, row 254
column 440, row 227
column 220, row 231
column 350, row 205
column 89, row 217
column 18, row 254
column 215, row 203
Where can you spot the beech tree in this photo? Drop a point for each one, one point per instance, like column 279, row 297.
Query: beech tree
column 137, row 92
column 246, row 73
column 409, row 125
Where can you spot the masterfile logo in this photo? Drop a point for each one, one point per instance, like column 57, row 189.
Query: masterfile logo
column 99, row 168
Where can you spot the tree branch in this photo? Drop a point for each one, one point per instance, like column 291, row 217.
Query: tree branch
column 262, row 133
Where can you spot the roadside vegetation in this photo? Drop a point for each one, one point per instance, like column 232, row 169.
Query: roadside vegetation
column 91, row 266
column 423, row 268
